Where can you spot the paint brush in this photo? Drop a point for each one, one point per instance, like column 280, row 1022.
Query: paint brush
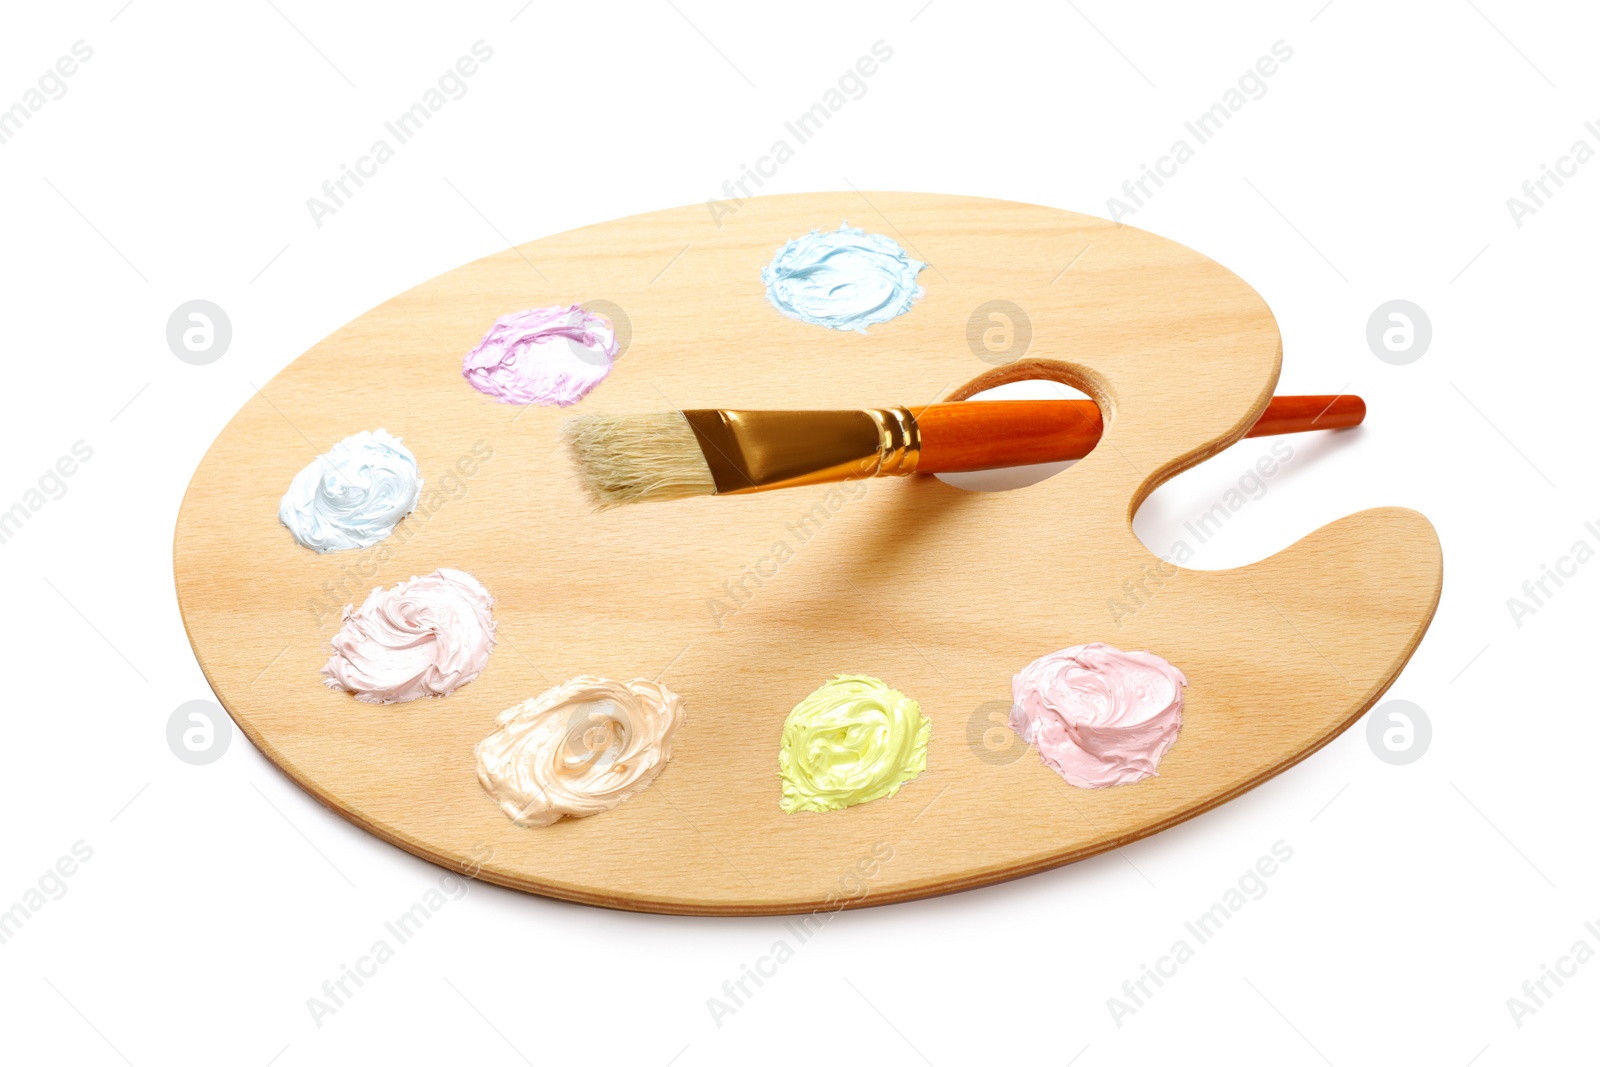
column 625, row 459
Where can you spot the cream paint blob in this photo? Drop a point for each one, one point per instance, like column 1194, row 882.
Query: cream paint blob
column 579, row 748
column 426, row 637
column 552, row 355
column 852, row 740
column 1099, row 716
column 352, row 495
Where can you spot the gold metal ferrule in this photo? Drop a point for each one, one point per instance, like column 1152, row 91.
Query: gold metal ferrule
column 750, row 451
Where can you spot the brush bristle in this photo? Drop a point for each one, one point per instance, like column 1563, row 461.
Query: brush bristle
column 626, row 459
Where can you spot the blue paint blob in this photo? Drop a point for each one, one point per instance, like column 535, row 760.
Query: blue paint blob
column 846, row 280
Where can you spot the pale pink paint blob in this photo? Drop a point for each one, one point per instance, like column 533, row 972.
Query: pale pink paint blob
column 426, row 637
column 1099, row 716
column 552, row 355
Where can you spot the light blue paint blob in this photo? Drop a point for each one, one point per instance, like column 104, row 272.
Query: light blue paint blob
column 352, row 495
column 845, row 280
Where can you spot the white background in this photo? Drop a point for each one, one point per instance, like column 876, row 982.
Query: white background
column 1377, row 166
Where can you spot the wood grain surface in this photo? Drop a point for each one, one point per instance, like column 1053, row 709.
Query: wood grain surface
column 745, row 604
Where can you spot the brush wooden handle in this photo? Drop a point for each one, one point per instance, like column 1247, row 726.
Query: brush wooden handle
column 978, row 435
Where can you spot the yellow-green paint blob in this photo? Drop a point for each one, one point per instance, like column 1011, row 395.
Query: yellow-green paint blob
column 851, row 741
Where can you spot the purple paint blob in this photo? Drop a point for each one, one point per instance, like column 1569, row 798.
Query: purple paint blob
column 552, row 355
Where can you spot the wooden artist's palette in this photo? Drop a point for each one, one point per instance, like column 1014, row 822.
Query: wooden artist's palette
column 941, row 592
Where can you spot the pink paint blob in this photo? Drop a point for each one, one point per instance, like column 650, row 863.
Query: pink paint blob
column 552, row 355
column 426, row 637
column 1099, row 716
